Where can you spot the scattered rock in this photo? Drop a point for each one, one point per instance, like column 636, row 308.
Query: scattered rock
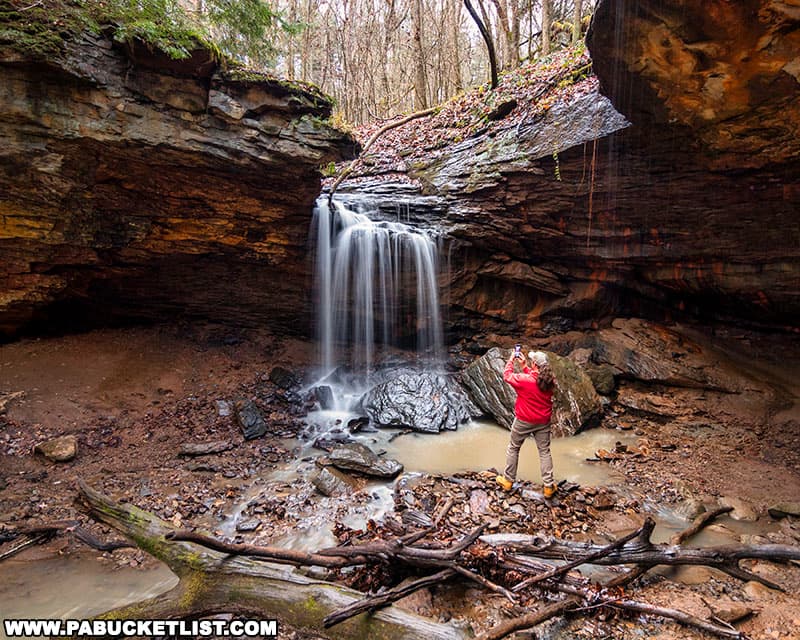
column 603, row 501
column 223, row 408
column 205, row 448
column 757, row 591
column 332, row 482
column 248, row 526
column 251, row 420
column 358, row 457
column 478, row 502
column 742, row 510
column 324, row 395
column 427, row 402
column 283, row 378
column 61, row 449
column 732, row 612
column 784, row 509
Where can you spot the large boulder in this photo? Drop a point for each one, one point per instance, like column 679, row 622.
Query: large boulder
column 653, row 353
column 576, row 405
column 358, row 457
column 427, row 402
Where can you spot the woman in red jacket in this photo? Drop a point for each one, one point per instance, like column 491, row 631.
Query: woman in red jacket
column 532, row 411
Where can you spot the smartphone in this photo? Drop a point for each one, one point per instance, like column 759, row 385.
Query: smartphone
column 517, row 350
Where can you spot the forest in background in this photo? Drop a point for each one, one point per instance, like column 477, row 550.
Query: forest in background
column 379, row 58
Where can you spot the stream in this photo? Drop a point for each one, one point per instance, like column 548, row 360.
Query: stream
column 36, row 588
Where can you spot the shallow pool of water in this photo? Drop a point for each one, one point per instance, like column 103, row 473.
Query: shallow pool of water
column 75, row 586
column 481, row 445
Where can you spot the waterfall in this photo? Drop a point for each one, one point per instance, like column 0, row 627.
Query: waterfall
column 377, row 286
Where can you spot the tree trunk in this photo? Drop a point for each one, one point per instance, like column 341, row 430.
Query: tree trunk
column 213, row 582
column 421, row 83
column 487, row 38
column 547, row 23
column 576, row 21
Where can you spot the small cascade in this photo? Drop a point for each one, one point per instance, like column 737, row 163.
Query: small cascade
column 377, row 288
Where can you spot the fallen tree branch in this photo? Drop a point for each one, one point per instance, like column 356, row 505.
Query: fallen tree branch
column 387, row 127
column 645, row 529
column 698, row 524
column 214, row 582
column 644, row 553
column 529, row 620
column 385, row 598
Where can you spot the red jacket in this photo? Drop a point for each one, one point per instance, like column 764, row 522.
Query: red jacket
column 533, row 405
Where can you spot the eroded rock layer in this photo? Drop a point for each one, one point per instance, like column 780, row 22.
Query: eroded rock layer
column 686, row 207
column 133, row 186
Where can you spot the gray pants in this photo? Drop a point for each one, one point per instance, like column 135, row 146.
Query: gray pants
column 541, row 433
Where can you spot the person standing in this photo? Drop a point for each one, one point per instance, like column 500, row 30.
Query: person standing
column 532, row 411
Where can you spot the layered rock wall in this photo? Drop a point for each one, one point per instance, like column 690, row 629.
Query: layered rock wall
column 135, row 186
column 687, row 207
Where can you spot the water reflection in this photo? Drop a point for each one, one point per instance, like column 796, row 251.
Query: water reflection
column 75, row 586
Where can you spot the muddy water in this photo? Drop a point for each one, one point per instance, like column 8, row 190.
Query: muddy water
column 74, row 587
column 482, row 445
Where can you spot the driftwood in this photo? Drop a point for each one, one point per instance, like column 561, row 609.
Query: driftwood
column 216, row 576
column 640, row 551
column 212, row 582
column 24, row 537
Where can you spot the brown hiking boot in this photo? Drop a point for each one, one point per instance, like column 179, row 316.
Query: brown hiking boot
column 549, row 491
column 504, row 482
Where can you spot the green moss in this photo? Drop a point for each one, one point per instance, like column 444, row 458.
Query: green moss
column 194, row 586
column 40, row 30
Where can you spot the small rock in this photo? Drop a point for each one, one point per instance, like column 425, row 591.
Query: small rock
column 358, row 457
column 324, row 395
column 61, row 449
column 332, row 482
column 603, row 502
column 733, row 612
column 742, row 510
column 251, row 420
column 784, row 509
column 248, row 525
column 479, row 502
column 757, row 591
column 223, row 408
column 283, row 378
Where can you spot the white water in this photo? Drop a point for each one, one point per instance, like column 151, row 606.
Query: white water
column 377, row 288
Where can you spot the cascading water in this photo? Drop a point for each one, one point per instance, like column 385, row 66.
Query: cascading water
column 377, row 286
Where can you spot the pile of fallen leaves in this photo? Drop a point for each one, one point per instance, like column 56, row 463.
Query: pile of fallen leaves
column 522, row 96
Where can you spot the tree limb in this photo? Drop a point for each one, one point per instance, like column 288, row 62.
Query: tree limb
column 387, row 127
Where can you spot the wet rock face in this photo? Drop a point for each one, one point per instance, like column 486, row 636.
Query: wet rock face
column 135, row 187
column 576, row 405
column 427, row 402
column 727, row 71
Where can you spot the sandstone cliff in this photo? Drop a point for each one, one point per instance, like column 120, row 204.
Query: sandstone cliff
column 136, row 186
column 680, row 209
